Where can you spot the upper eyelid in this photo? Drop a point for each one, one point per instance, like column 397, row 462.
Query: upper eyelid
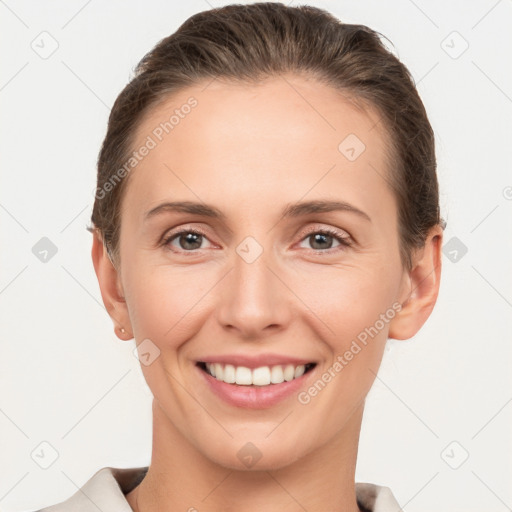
column 312, row 229
column 329, row 229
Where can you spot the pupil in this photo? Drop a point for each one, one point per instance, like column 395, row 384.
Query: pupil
column 318, row 238
column 189, row 239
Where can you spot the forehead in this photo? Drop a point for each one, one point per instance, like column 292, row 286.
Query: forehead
column 281, row 136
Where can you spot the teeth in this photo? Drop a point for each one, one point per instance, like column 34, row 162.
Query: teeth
column 262, row 376
column 289, row 372
column 299, row 371
column 243, row 375
column 229, row 374
column 219, row 371
column 276, row 375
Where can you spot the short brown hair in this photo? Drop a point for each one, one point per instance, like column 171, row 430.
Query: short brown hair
column 251, row 42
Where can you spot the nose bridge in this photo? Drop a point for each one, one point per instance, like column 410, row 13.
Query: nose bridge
column 252, row 298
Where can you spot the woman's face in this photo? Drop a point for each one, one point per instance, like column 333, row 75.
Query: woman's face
column 256, row 273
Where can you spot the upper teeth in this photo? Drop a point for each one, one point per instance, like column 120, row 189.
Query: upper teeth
column 262, row 376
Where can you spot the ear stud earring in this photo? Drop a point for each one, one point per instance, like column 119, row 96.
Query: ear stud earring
column 123, row 330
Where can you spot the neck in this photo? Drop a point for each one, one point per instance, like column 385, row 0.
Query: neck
column 181, row 478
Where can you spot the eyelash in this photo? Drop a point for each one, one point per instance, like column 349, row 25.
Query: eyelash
column 344, row 241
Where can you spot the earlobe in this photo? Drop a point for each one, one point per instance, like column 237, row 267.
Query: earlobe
column 110, row 288
column 422, row 286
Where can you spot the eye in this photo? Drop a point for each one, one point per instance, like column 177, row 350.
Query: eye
column 188, row 240
column 322, row 239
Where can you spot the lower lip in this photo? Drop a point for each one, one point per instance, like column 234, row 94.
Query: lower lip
column 254, row 397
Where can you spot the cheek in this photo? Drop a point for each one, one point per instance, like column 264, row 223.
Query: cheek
column 353, row 310
column 163, row 300
column 349, row 301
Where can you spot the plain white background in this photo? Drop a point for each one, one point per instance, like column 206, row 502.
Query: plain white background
column 66, row 380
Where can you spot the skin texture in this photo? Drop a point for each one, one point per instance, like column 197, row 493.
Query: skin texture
column 251, row 150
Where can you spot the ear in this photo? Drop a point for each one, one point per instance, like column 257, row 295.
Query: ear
column 111, row 288
column 420, row 288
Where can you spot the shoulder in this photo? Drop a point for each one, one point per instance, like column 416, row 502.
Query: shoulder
column 105, row 490
column 375, row 498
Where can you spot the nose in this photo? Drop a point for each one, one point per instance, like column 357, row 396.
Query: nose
column 254, row 300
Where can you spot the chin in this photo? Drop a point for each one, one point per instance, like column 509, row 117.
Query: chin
column 260, row 454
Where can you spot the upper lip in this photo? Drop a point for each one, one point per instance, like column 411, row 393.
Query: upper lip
column 255, row 361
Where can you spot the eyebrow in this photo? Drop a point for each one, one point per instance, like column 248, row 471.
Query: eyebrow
column 319, row 206
column 290, row 211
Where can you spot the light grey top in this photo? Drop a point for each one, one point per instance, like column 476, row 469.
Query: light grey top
column 107, row 488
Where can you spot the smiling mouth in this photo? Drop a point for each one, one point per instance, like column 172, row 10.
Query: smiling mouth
column 261, row 376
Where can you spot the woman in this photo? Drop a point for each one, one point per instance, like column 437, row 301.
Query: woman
column 266, row 217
